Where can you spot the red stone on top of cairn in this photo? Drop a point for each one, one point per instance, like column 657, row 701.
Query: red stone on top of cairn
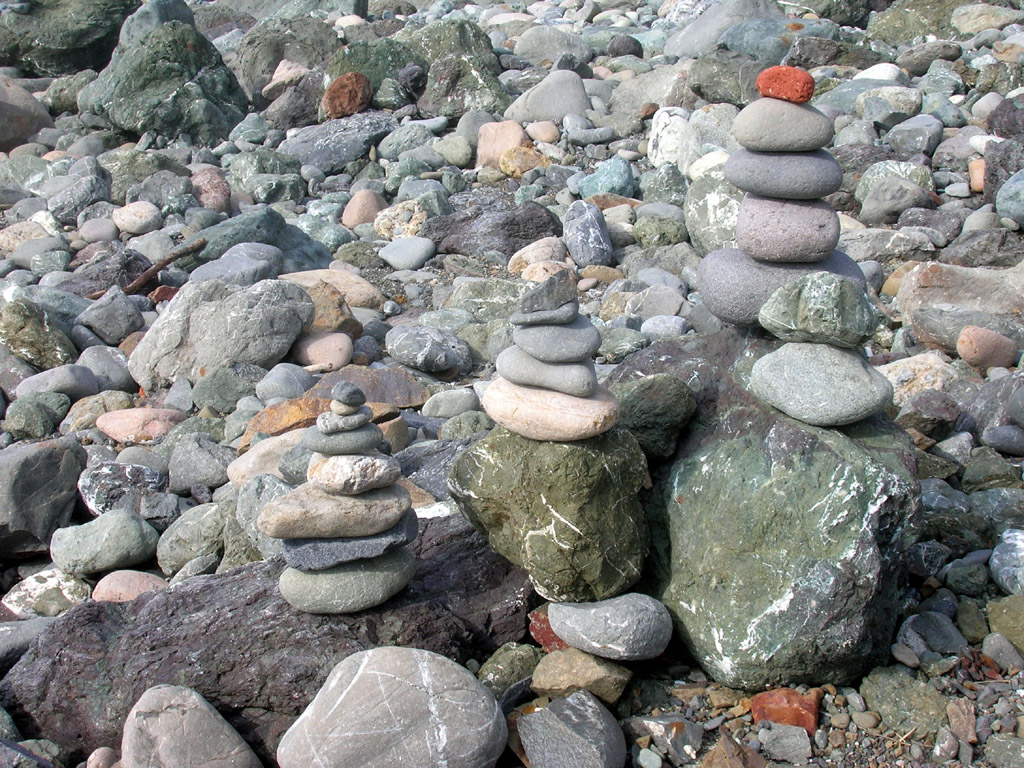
column 786, row 83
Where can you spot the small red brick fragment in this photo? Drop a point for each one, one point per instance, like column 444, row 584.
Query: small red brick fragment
column 786, row 83
column 346, row 95
column 540, row 630
column 787, row 706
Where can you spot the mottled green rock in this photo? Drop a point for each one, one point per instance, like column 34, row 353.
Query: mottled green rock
column 128, row 167
column 36, row 415
column 822, row 308
column 377, row 60
column 487, row 300
column 613, row 176
column 438, row 39
column 26, row 331
column 987, row 470
column 776, row 545
column 656, row 231
column 198, row 532
column 238, row 547
column 458, row 83
column 243, row 166
column 712, row 207
column 655, row 409
column 509, row 664
column 907, row 19
column 618, row 343
column 566, row 512
column 665, row 184
column 904, row 702
column 1006, row 616
column 173, row 82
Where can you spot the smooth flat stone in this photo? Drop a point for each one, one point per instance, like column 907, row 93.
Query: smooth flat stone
column 576, row 379
column 551, row 294
column 770, row 229
column 309, row 512
column 353, row 474
column 790, row 175
column 820, row 384
column 569, row 343
column 318, row 554
column 350, row 587
column 629, row 627
column 560, row 316
column 540, row 414
column 734, row 286
column 332, row 423
column 774, row 125
column 354, row 441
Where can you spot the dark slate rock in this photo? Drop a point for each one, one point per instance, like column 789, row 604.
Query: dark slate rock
column 234, row 640
column 474, row 231
column 427, row 465
column 586, row 235
column 318, row 554
column 574, row 731
column 556, row 291
column 15, row 639
column 985, row 248
column 362, row 440
column 37, row 494
column 797, row 176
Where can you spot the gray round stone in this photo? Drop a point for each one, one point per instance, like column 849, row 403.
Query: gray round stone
column 116, row 539
column 75, row 381
column 330, row 423
column 360, row 440
column 790, row 175
column 110, row 367
column 285, row 380
column 734, row 286
column 408, row 252
column 349, row 587
column 569, row 343
column 576, row 379
column 774, row 125
column 451, row 402
column 772, row 229
column 320, row 554
column 820, row 384
column 242, row 264
column 347, row 393
column 560, row 316
column 629, row 627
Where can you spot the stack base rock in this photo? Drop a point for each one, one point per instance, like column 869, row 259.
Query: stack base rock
column 541, row 414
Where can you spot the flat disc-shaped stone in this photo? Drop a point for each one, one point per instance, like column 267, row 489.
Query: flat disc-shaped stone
column 360, row 440
column 576, row 379
column 318, row 554
column 791, row 175
column 541, row 414
column 350, row 587
column 774, row 125
column 310, row 512
column 566, row 313
column 569, row 343
column 820, row 384
column 772, row 229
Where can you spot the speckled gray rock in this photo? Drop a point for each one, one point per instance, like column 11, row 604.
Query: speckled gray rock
column 285, row 380
column 629, row 627
column 586, row 235
column 408, row 252
column 571, row 732
column 821, row 308
column 319, row 554
column 198, row 460
column 559, row 94
column 1007, row 562
column 774, row 125
column 569, row 343
column 436, row 713
column 772, row 229
column 734, row 286
column 427, row 349
column 116, row 539
column 794, row 176
column 171, row 725
column 112, row 317
column 242, row 264
column 576, row 379
column 75, row 381
column 330, row 146
column 197, row 533
column 820, row 384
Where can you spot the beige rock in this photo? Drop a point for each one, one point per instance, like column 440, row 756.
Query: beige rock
column 543, row 130
column 357, row 291
column 122, row 586
column 976, row 174
column 363, row 208
column 515, row 161
column 309, row 512
column 495, row 138
column 262, row 458
column 972, row 19
column 138, row 218
column 288, row 73
column 20, row 232
column 104, row 757
column 404, row 219
column 333, row 350
column 49, row 592
column 353, row 474
column 138, row 425
column 986, row 349
column 561, row 672
column 540, row 271
column 914, row 374
column 540, row 414
column 545, row 249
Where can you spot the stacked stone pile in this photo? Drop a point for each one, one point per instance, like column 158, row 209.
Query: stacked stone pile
column 786, row 273
column 546, row 388
column 345, row 529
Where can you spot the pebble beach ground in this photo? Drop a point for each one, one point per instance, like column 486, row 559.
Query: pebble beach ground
column 589, row 384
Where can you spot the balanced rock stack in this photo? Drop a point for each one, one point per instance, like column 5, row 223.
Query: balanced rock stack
column 546, row 387
column 786, row 274
column 345, row 529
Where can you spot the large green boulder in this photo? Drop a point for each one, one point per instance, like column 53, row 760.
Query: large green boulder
column 655, row 409
column 173, row 82
column 377, row 60
column 128, row 167
column 906, row 19
column 776, row 545
column 438, row 39
column 566, row 512
column 61, row 37
column 458, row 83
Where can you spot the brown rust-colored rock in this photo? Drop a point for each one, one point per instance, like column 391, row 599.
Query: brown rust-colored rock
column 346, row 95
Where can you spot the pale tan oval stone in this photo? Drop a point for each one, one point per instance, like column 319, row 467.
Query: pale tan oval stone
column 263, row 458
column 541, row 414
column 352, row 474
column 309, row 512
column 357, row 291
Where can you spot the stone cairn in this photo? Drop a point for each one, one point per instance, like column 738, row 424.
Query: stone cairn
column 345, row 529
column 785, row 273
column 546, row 387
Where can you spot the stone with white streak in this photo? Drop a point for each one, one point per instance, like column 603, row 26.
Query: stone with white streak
column 629, row 627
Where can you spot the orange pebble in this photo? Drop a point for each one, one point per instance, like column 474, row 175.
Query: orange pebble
column 786, row 83
column 976, row 173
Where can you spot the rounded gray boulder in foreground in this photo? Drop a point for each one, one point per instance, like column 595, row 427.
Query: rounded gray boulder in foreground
column 790, row 175
column 820, row 384
column 734, row 286
column 771, row 229
column 629, row 627
column 400, row 707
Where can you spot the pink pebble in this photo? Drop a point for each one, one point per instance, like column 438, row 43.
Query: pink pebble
column 122, row 586
column 326, row 348
column 984, row 349
column 139, row 425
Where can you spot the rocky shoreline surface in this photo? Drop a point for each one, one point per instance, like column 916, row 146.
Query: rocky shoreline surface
column 593, row 383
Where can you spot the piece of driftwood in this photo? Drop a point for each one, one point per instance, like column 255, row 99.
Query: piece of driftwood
column 187, row 249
